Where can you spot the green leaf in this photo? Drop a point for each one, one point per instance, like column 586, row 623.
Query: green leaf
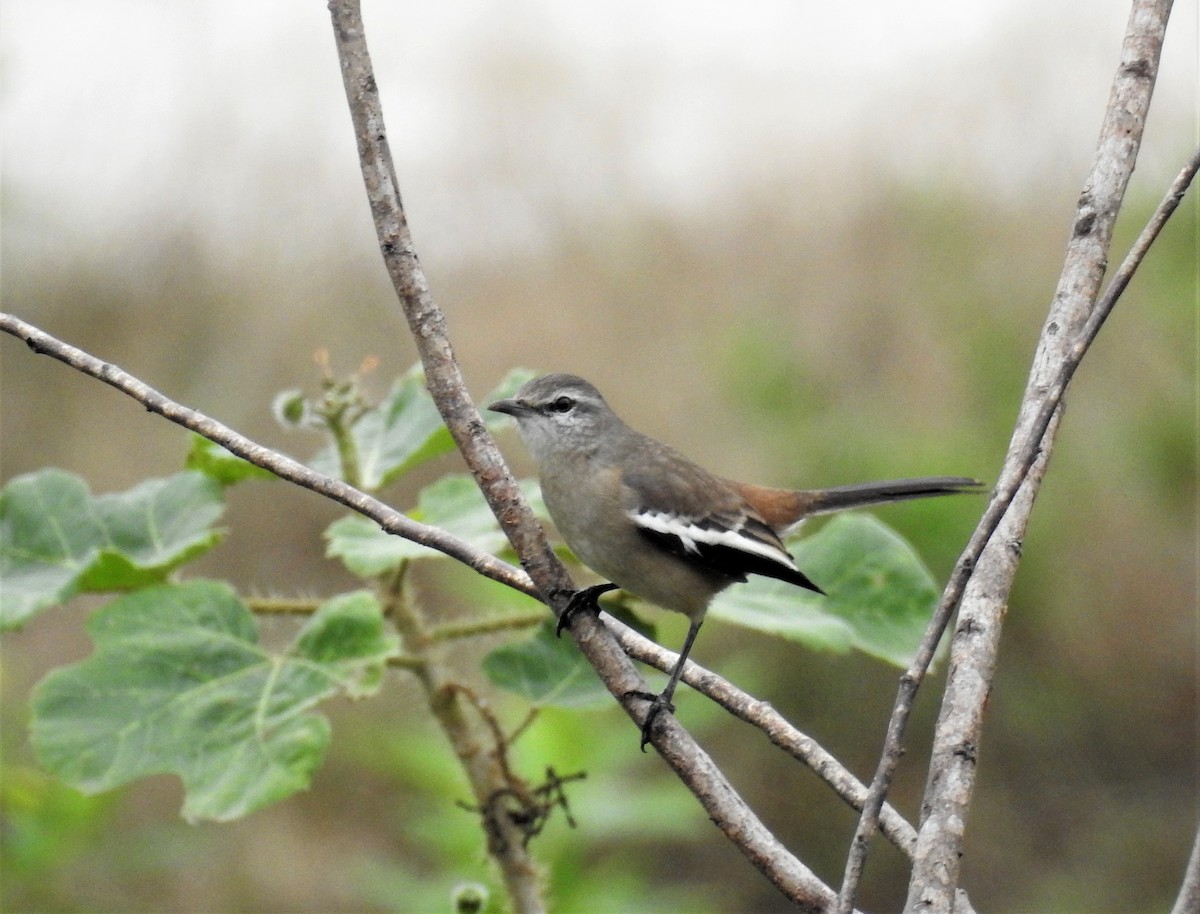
column 453, row 504
column 404, row 431
column 879, row 593
column 56, row 539
column 347, row 635
column 546, row 670
column 221, row 464
column 178, row 683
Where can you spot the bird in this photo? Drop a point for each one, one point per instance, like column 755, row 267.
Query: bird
column 659, row 526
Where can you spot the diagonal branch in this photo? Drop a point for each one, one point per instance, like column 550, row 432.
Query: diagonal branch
column 1010, row 482
column 983, row 576
column 958, row 733
column 428, row 326
column 388, row 518
column 760, row 714
column 1188, row 901
column 638, row 647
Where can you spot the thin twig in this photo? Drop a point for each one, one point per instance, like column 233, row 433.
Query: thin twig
column 388, row 518
column 452, row 631
column 282, row 606
column 760, row 714
column 1075, row 319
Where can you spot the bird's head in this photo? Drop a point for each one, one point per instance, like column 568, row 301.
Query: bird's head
column 559, row 413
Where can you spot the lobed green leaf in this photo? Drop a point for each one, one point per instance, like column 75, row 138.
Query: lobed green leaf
column 57, row 539
column 879, row 594
column 546, row 670
column 178, row 683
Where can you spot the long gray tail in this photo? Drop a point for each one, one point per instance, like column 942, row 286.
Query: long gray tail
column 839, row 498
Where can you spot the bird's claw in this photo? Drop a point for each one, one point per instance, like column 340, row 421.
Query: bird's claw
column 587, row 598
column 658, row 704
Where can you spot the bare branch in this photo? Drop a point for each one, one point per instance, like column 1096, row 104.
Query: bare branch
column 1075, row 320
column 428, row 326
column 638, row 647
column 391, row 520
column 1010, row 482
column 760, row 714
column 983, row 576
column 442, row 376
column 1188, row 901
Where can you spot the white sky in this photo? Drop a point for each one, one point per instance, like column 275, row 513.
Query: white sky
column 118, row 111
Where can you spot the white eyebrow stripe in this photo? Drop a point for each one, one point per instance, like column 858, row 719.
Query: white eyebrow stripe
column 689, row 534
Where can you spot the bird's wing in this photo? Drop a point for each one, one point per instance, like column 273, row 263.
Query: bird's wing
column 697, row 517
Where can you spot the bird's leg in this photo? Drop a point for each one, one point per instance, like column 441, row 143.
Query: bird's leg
column 588, row 598
column 662, row 701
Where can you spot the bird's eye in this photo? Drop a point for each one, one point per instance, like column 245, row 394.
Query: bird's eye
column 562, row 405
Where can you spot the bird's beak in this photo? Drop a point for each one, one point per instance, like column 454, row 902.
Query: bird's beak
column 509, row 407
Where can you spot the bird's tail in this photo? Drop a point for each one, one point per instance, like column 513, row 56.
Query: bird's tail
column 783, row 509
column 839, row 498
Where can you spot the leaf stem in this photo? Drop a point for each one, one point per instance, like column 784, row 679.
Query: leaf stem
column 453, row 631
column 282, row 606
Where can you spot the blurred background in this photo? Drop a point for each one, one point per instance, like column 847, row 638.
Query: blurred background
column 806, row 243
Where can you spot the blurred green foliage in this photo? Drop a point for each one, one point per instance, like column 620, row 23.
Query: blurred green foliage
column 894, row 344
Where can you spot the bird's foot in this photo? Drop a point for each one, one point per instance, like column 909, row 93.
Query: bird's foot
column 658, row 704
column 588, row 598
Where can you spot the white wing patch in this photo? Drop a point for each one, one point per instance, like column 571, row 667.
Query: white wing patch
column 692, row 536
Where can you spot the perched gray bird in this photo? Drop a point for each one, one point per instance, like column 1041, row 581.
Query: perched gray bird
column 657, row 525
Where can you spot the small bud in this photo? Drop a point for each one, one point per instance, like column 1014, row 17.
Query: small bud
column 291, row 409
column 469, row 898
